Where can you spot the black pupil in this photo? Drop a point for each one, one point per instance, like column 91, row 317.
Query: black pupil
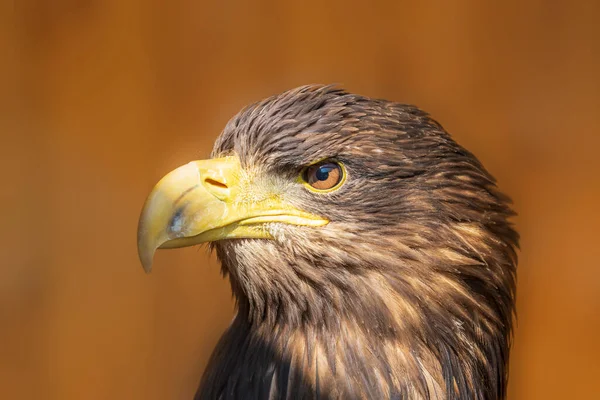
column 323, row 172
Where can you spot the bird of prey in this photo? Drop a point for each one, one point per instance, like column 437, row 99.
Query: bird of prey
column 369, row 254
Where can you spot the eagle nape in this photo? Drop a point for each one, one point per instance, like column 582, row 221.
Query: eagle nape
column 370, row 255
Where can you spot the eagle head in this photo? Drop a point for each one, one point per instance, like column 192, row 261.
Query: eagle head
column 370, row 255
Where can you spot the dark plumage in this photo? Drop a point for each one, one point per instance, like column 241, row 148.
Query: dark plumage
column 408, row 292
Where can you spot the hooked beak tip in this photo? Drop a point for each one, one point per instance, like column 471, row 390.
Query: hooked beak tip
column 146, row 255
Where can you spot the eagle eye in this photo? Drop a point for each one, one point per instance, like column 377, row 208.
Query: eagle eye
column 325, row 176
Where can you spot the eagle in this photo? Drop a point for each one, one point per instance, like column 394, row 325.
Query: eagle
column 370, row 255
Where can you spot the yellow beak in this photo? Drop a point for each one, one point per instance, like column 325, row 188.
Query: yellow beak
column 210, row 200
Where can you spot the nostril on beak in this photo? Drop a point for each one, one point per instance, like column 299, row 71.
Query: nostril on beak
column 218, row 189
column 217, row 184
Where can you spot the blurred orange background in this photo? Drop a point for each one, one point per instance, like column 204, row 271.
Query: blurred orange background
column 99, row 99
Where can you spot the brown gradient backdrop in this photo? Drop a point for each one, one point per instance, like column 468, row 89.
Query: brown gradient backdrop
column 99, row 99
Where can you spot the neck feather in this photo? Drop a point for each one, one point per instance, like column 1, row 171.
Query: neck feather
column 435, row 324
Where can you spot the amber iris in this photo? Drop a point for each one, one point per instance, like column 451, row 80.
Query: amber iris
column 323, row 176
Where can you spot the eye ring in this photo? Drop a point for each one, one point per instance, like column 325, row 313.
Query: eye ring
column 323, row 176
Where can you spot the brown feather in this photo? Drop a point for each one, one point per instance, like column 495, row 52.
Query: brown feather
column 407, row 293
